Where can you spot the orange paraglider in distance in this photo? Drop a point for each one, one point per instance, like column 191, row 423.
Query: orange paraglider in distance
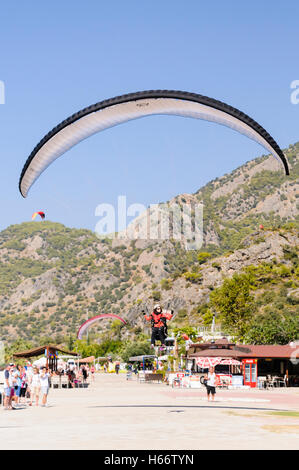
column 42, row 215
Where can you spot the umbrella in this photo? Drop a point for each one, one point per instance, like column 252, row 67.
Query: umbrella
column 206, row 362
column 42, row 361
column 230, row 362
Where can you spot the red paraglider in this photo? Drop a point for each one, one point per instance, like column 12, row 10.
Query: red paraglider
column 41, row 214
column 93, row 320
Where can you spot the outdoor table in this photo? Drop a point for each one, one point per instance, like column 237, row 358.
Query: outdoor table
column 278, row 381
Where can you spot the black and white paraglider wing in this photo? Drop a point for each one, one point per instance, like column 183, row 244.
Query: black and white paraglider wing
column 111, row 112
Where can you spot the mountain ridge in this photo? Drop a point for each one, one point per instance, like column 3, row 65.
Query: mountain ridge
column 52, row 278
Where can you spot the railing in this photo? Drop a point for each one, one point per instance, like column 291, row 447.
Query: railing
column 209, row 329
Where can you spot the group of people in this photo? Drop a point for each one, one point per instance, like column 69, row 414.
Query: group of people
column 25, row 384
column 77, row 375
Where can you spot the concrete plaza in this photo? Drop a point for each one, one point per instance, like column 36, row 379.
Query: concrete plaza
column 114, row 413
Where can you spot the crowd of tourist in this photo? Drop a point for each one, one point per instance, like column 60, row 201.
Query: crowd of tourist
column 27, row 385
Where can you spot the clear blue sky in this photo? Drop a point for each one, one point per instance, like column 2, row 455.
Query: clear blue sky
column 58, row 57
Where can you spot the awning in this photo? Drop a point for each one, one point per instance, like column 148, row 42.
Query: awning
column 87, row 360
column 206, row 362
column 41, row 350
column 230, row 362
column 141, row 358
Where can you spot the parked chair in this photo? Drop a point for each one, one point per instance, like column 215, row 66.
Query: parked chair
column 64, row 381
column 55, row 382
column 262, row 382
column 225, row 382
column 281, row 382
column 270, row 382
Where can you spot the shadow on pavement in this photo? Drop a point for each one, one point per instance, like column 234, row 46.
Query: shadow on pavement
column 210, row 406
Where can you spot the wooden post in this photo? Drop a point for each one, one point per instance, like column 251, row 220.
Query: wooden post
column 47, row 362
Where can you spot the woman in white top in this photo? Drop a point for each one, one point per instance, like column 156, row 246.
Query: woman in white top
column 44, row 383
column 34, row 387
column 211, row 381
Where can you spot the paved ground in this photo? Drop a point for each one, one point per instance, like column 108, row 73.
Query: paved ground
column 114, row 413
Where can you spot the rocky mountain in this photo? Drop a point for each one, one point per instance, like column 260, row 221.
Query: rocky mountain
column 52, row 278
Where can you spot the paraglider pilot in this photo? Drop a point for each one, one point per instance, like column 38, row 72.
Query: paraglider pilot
column 158, row 320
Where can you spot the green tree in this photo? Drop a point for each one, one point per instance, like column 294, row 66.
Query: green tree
column 70, row 342
column 273, row 328
column 234, row 303
column 156, row 295
column 17, row 346
column 203, row 257
column 116, row 327
column 138, row 348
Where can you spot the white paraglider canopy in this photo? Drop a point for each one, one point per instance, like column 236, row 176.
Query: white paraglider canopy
column 112, row 112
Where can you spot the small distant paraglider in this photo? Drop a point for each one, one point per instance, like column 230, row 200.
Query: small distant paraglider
column 41, row 214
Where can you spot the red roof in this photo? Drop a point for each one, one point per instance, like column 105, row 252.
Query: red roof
column 216, row 353
column 274, row 351
column 250, row 351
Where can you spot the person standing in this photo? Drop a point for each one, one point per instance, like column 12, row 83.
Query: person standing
column 211, row 383
column 29, row 375
column 44, row 384
column 92, row 371
column 7, row 388
column 84, row 374
column 24, row 385
column 18, row 383
column 35, row 387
